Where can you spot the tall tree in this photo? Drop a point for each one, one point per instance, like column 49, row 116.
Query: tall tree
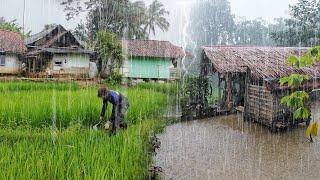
column 109, row 50
column 135, row 21
column 81, row 33
column 303, row 26
column 211, row 23
column 253, row 32
column 122, row 17
column 156, row 18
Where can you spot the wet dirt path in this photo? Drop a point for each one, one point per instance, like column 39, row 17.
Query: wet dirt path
column 229, row 148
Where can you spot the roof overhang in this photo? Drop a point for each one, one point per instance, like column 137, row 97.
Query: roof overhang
column 60, row 51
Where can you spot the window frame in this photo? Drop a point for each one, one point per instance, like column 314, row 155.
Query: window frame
column 2, row 59
column 58, row 63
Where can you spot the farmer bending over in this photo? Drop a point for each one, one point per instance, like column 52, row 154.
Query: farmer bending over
column 119, row 107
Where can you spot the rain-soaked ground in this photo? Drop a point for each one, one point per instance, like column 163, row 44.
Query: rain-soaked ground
column 229, row 148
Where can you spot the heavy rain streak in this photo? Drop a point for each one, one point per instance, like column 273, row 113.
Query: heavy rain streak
column 159, row 89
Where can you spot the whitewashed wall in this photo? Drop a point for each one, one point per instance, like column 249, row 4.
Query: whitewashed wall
column 71, row 63
column 12, row 66
column 125, row 68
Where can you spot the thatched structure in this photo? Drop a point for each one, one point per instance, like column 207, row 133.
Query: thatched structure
column 248, row 77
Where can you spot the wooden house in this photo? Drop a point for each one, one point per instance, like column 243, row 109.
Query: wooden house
column 11, row 51
column 56, row 52
column 152, row 60
column 247, row 79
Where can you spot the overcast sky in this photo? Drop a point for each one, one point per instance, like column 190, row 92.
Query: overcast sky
column 40, row 12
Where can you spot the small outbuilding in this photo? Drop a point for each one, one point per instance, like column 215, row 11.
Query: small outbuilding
column 152, row 60
column 56, row 52
column 12, row 49
column 247, row 79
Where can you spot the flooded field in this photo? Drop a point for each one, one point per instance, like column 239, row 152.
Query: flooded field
column 229, row 148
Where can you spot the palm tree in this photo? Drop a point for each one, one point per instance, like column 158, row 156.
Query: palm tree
column 135, row 19
column 156, row 18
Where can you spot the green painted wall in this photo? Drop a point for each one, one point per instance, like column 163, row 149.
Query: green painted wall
column 146, row 67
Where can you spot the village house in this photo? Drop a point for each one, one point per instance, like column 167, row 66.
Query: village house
column 56, row 52
column 247, row 79
column 152, row 60
column 11, row 51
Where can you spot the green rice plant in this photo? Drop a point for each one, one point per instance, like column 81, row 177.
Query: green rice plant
column 60, row 108
column 45, row 134
column 7, row 86
column 76, row 153
column 167, row 88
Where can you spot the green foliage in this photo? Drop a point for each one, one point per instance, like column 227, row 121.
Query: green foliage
column 49, row 26
column 114, row 78
column 302, row 28
column 302, row 113
column 253, row 32
column 156, row 18
column 109, row 50
column 10, row 86
column 31, row 147
column 166, row 88
column 211, row 22
column 43, row 108
column 294, row 80
column 122, row 17
column 297, row 99
column 77, row 153
column 195, row 96
column 12, row 26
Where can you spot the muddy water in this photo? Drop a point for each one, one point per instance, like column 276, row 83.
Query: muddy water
column 229, row 148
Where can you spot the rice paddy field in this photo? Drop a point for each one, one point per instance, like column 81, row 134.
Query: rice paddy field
column 45, row 132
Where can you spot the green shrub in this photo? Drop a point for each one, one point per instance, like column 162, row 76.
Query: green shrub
column 114, row 78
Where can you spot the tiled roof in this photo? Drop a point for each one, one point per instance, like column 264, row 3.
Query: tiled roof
column 11, row 42
column 153, row 48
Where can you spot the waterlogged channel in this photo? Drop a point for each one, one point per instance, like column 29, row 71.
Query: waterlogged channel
column 229, row 148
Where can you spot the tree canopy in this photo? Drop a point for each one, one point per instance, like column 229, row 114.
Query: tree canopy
column 109, row 50
column 125, row 18
column 12, row 26
column 211, row 22
column 303, row 26
column 253, row 32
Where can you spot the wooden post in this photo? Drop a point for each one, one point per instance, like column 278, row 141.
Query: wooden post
column 219, row 89
column 229, row 91
column 34, row 65
column 246, row 96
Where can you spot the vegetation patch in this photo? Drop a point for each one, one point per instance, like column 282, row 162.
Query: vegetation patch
column 47, row 134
